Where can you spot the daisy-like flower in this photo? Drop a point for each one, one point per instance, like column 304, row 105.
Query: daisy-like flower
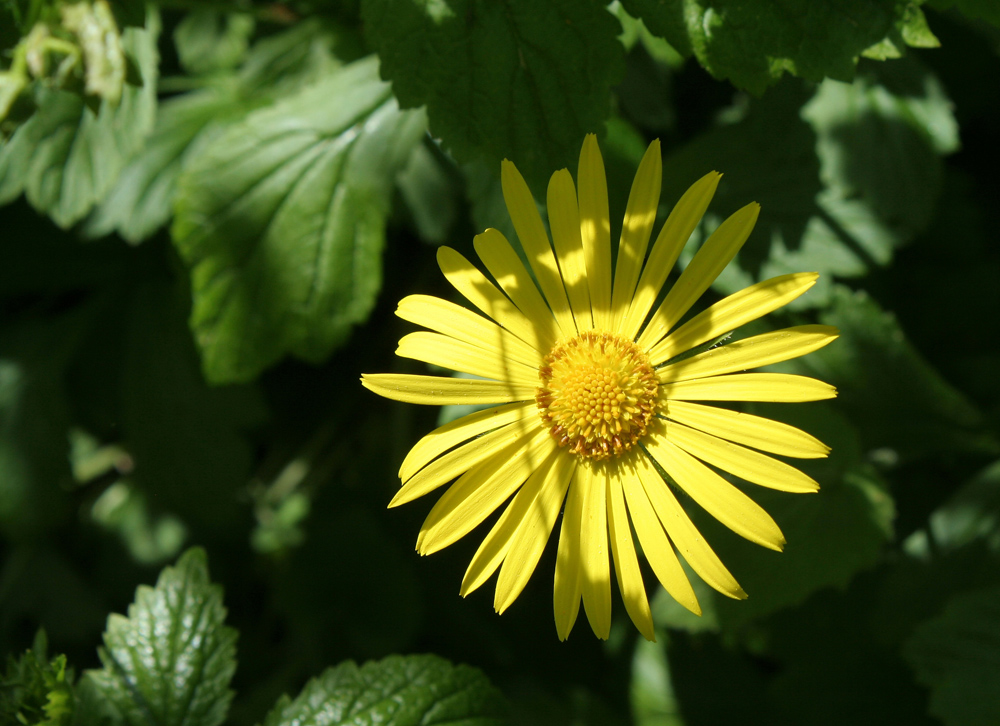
column 594, row 395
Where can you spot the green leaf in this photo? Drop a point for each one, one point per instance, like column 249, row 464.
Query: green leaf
column 209, row 41
column 972, row 513
column 523, row 80
column 752, row 43
column 957, row 655
column 282, row 221
column 142, row 200
column 170, row 661
column 843, row 180
column 916, row 413
column 66, row 157
column 418, row 690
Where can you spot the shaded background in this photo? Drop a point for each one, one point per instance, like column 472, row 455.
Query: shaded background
column 193, row 280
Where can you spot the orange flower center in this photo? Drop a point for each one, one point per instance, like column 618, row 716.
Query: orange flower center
column 598, row 394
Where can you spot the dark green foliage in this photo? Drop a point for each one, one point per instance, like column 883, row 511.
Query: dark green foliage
column 192, row 280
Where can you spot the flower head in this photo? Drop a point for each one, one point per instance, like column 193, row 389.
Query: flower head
column 593, row 395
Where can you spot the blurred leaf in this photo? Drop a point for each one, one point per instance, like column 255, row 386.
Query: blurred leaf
column 142, row 200
column 651, row 693
column 170, row 661
column 418, row 690
column 754, row 43
column 986, row 10
column 282, row 221
column 973, row 513
column 66, row 157
column 209, row 41
column 524, row 80
column 957, row 655
column 186, row 439
column 149, row 539
column 430, row 194
column 832, row 174
column 916, row 412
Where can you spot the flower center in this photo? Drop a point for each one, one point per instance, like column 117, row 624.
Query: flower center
column 598, row 394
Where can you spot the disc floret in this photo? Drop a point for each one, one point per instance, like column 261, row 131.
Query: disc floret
column 598, row 394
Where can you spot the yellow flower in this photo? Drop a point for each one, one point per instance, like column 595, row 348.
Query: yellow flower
column 592, row 397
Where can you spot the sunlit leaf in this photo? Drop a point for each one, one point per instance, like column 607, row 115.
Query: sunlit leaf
column 282, row 222
column 170, row 661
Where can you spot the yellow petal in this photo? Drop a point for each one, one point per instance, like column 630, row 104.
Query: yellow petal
column 715, row 495
column 655, row 545
column 461, row 459
column 507, row 269
column 468, row 280
column 701, row 272
column 529, row 541
column 472, row 499
column 564, row 220
column 566, row 587
column 440, row 391
column 739, row 461
column 626, row 563
column 753, row 352
column 747, row 429
column 455, row 432
column 772, row 387
column 669, row 242
column 685, row 535
column 454, row 320
column 448, row 352
column 535, row 242
column 595, row 570
column 495, row 546
column 636, row 228
column 732, row 312
column 595, row 229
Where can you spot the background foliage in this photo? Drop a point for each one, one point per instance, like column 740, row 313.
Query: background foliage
column 210, row 213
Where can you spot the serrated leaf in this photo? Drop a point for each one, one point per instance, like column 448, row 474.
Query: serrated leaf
column 209, row 41
column 282, row 222
column 957, row 655
column 170, row 661
column 418, row 690
column 844, row 178
column 753, row 42
column 66, row 157
column 523, row 80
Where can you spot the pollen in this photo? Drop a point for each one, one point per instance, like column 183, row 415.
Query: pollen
column 597, row 395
